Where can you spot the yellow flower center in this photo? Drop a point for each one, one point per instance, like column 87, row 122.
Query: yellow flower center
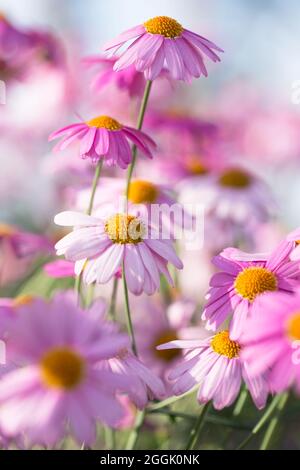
column 297, row 242
column 124, row 228
column 164, row 26
column 141, row 192
column 253, row 281
column 222, row 344
column 293, row 327
column 62, row 368
column 106, row 122
column 24, row 299
column 235, row 178
column 6, row 230
column 166, row 355
column 195, row 167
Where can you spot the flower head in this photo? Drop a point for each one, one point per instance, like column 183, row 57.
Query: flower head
column 100, row 245
column 244, row 278
column 104, row 137
column 272, row 340
column 58, row 382
column 215, row 363
column 162, row 42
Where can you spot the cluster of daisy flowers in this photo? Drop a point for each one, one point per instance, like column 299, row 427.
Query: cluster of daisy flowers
column 69, row 365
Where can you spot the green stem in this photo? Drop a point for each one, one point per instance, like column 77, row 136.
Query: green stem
column 77, row 285
column 274, row 422
column 240, row 402
column 134, row 434
column 94, row 186
column 110, row 438
column 195, row 432
column 128, row 313
column 139, row 127
column 112, row 307
column 171, row 400
column 263, row 420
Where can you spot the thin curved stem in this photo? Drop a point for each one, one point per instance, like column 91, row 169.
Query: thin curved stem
column 268, row 436
column 139, row 126
column 128, row 314
column 263, row 420
column 133, row 436
column 195, row 432
column 112, row 307
column 77, row 285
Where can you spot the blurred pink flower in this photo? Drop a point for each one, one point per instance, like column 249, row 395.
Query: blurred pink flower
column 104, row 137
column 60, row 382
column 215, row 363
column 162, row 41
column 271, row 340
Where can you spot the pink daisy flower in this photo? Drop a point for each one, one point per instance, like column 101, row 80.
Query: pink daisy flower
column 128, row 79
column 294, row 239
column 100, row 245
column 59, row 385
column 155, row 324
column 144, row 384
column 104, row 137
column 272, row 340
column 162, row 42
column 243, row 279
column 215, row 363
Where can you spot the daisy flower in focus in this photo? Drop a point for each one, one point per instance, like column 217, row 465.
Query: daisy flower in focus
column 162, row 42
column 59, row 383
column 104, row 138
column 272, row 340
column 216, row 364
column 100, row 245
column 244, row 278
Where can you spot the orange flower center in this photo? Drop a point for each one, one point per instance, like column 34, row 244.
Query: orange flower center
column 62, row 368
column 124, row 228
column 195, row 167
column 235, row 178
column 142, row 192
column 253, row 281
column 223, row 345
column 166, row 355
column 24, row 299
column 105, row 122
column 164, row 26
column 293, row 327
column 6, row 230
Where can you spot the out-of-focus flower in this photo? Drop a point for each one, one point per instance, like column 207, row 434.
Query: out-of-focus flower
column 100, row 245
column 104, row 137
column 59, row 268
column 216, row 364
column 156, row 324
column 17, row 249
column 128, row 79
column 162, row 42
column 244, row 278
column 271, row 340
column 60, row 382
column 145, row 384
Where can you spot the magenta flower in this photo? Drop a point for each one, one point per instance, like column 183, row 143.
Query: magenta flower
column 243, row 279
column 104, row 137
column 101, row 244
column 129, row 79
column 271, row 340
column 162, row 42
column 59, row 384
column 144, row 384
column 59, row 269
column 216, row 365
